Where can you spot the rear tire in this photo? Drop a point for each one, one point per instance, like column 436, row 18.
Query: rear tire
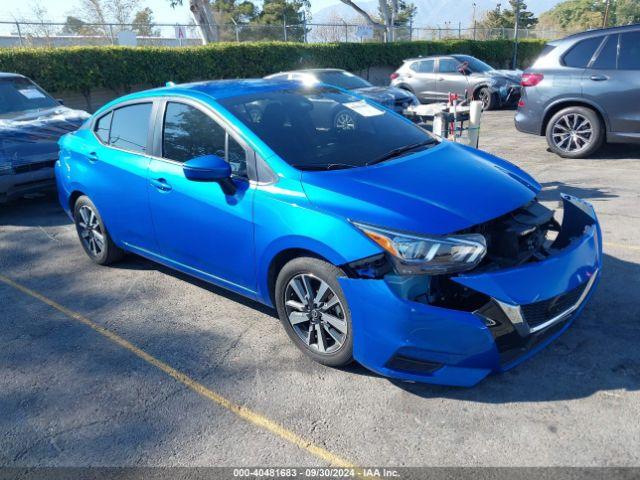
column 314, row 310
column 575, row 132
column 489, row 99
column 94, row 236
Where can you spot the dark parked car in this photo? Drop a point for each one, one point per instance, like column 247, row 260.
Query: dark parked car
column 31, row 122
column 584, row 90
column 431, row 79
column 393, row 98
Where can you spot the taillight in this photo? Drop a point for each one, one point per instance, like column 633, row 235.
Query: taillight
column 531, row 79
column 521, row 104
column 394, row 75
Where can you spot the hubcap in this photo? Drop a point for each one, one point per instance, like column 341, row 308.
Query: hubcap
column 572, row 132
column 315, row 313
column 90, row 231
column 344, row 121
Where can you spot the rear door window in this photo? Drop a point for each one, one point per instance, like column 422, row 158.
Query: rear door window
column 629, row 58
column 103, row 127
column 423, row 66
column 607, row 58
column 581, row 53
column 130, row 127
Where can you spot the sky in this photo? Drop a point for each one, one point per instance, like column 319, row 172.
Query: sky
column 163, row 13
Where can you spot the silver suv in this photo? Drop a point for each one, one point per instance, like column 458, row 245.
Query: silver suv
column 584, row 90
column 431, row 79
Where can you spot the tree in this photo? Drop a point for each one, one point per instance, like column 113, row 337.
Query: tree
column 143, row 23
column 281, row 12
column 627, row 12
column 573, row 15
column 388, row 10
column 498, row 18
column 75, row 26
column 203, row 17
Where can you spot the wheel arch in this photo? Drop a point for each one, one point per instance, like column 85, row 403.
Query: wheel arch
column 73, row 198
column 280, row 260
column 555, row 107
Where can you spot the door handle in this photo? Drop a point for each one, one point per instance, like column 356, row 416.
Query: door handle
column 599, row 78
column 92, row 157
column 441, row 79
column 161, row 184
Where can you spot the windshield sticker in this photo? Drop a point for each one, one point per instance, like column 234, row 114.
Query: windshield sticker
column 32, row 93
column 364, row 109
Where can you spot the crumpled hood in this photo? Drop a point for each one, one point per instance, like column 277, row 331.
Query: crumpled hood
column 513, row 76
column 34, row 137
column 437, row 191
column 384, row 95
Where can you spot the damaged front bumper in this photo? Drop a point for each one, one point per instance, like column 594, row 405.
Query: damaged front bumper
column 399, row 335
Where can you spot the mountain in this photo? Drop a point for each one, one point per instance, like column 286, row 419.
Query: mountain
column 431, row 13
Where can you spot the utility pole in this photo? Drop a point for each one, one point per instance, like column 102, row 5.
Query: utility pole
column 473, row 20
column 515, row 35
column 605, row 20
column 284, row 20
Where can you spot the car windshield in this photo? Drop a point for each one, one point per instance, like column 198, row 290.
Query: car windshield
column 475, row 65
column 20, row 95
column 345, row 80
column 317, row 128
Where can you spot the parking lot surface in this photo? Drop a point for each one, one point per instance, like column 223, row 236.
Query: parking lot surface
column 72, row 394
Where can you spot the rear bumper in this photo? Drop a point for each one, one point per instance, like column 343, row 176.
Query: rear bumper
column 16, row 185
column 410, row 340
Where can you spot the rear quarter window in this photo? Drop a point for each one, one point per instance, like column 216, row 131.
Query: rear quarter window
column 629, row 58
column 581, row 53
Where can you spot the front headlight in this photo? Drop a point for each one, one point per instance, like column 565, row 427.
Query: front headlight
column 433, row 255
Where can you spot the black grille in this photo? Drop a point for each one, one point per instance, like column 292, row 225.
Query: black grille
column 539, row 312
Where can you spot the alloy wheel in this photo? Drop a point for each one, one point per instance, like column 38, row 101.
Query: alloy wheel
column 572, row 132
column 90, row 231
column 485, row 97
column 315, row 313
column 345, row 121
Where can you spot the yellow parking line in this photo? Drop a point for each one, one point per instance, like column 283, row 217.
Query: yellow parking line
column 622, row 245
column 239, row 410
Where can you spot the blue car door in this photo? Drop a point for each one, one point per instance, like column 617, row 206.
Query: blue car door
column 199, row 227
column 115, row 179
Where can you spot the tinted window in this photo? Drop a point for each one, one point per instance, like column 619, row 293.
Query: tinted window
column 344, row 80
column 19, row 95
column 424, row 66
column 449, row 65
column 130, row 126
column 629, row 51
column 321, row 127
column 607, row 57
column 580, row 55
column 189, row 133
column 103, row 125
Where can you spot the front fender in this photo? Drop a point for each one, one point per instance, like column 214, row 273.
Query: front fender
column 284, row 219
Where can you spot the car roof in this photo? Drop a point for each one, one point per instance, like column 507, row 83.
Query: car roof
column 433, row 57
column 11, row 75
column 597, row 32
column 308, row 70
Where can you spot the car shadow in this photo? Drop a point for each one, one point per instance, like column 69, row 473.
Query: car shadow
column 551, row 192
column 610, row 152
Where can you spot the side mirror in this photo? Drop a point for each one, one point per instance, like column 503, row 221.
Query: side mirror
column 60, row 101
column 210, row 168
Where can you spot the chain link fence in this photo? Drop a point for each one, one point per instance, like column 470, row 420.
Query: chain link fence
column 41, row 34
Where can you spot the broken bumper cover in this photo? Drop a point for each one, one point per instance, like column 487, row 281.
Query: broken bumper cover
column 529, row 307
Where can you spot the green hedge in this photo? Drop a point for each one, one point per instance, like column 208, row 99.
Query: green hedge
column 82, row 69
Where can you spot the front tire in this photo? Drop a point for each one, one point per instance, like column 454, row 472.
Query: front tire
column 314, row 310
column 489, row 99
column 94, row 236
column 575, row 132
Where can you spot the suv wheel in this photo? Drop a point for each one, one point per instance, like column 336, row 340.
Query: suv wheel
column 314, row 311
column 575, row 132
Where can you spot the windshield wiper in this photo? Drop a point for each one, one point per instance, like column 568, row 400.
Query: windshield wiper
column 396, row 152
column 326, row 166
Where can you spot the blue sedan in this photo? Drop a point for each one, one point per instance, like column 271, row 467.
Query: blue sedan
column 421, row 259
